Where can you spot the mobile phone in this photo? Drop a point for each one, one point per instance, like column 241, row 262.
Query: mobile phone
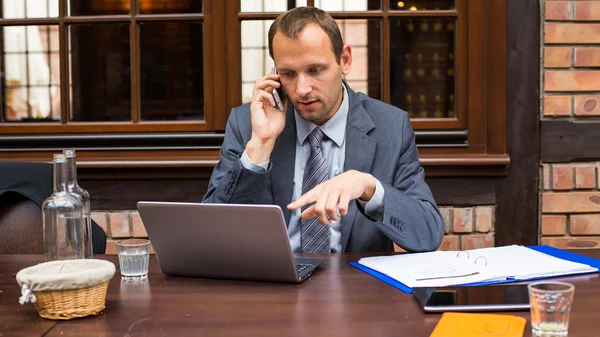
column 503, row 297
column 279, row 95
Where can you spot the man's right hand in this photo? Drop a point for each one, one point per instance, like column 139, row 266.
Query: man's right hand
column 267, row 121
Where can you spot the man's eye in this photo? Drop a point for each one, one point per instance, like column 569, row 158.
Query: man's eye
column 315, row 70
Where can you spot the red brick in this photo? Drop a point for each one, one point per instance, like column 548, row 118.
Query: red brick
column 484, row 217
column 582, row 242
column 587, row 105
column 585, row 177
column 585, row 224
column 586, row 10
column 101, row 219
column 446, row 216
column 572, row 80
column 587, row 57
column 111, row 246
column 562, row 177
column 450, row 242
column 476, row 241
column 397, row 249
column 463, row 220
column 572, row 33
column 554, row 224
column 557, row 10
column 119, row 224
column 137, row 226
column 557, row 57
column 574, row 202
column 557, row 105
column 546, row 176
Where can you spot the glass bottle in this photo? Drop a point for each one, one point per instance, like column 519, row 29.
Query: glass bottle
column 83, row 196
column 62, row 215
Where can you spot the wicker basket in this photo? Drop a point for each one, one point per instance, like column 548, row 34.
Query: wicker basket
column 63, row 290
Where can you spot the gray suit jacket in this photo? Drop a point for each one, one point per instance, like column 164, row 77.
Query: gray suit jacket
column 380, row 141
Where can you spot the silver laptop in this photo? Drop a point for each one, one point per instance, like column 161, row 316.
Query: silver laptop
column 228, row 241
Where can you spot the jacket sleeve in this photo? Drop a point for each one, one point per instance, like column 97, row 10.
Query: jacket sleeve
column 410, row 216
column 230, row 181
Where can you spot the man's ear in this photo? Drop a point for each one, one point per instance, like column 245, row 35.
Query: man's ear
column 346, row 60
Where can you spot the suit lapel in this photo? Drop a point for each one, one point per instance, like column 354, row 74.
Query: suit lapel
column 283, row 159
column 360, row 151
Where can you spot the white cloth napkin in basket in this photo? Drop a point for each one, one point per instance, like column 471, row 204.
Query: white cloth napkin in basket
column 63, row 275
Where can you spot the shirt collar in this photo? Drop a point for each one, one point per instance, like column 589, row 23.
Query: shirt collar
column 334, row 129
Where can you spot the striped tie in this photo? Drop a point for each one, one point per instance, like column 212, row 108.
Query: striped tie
column 314, row 236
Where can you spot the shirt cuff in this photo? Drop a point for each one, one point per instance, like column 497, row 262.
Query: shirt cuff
column 374, row 207
column 248, row 164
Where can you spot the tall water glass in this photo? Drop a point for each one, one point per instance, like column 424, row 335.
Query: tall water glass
column 550, row 307
column 134, row 255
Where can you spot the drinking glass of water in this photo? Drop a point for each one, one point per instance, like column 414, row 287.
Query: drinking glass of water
column 550, row 307
column 133, row 258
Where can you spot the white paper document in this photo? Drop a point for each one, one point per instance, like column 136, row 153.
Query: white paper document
column 445, row 268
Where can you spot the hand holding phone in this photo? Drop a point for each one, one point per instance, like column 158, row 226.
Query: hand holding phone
column 279, row 95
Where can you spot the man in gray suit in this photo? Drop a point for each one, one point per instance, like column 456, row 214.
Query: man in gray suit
column 343, row 167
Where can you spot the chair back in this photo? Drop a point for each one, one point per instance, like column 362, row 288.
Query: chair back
column 23, row 189
column 21, row 230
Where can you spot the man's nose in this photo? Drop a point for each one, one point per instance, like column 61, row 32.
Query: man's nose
column 303, row 85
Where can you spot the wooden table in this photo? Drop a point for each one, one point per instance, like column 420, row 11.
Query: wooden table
column 338, row 300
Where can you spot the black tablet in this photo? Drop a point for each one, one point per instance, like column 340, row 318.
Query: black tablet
column 505, row 297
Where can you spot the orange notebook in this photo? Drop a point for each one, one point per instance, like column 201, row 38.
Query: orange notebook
column 454, row 324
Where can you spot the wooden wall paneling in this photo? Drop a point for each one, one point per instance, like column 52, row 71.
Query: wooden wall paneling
column 463, row 191
column 123, row 192
column 568, row 141
column 517, row 194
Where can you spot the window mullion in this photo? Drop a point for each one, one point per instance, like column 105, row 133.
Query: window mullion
column 385, row 55
column 63, row 62
column 134, row 46
column 385, row 6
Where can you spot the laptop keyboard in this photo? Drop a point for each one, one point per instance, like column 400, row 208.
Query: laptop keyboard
column 301, row 266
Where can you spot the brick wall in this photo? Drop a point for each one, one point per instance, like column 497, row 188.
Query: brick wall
column 570, row 203
column 465, row 227
column 120, row 225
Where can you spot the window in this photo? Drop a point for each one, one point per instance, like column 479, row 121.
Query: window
column 134, row 83
column 443, row 61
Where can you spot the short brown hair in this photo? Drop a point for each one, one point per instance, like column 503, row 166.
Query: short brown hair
column 292, row 22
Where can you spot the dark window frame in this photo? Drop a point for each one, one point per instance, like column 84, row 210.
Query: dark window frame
column 474, row 143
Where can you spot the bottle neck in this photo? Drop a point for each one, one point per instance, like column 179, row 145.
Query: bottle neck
column 71, row 175
column 60, row 176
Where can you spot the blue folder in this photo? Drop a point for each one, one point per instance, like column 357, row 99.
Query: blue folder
column 559, row 253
